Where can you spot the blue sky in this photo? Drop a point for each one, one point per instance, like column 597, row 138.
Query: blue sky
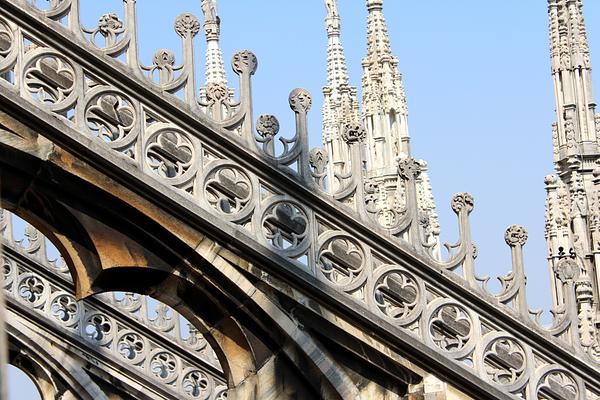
column 477, row 78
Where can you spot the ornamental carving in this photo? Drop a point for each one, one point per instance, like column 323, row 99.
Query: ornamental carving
column 110, row 116
column 285, row 226
column 8, row 270
column 300, row 101
column 196, row 385
column 341, row 260
column 170, row 154
column 98, row 328
column 228, row 190
column 164, row 59
column 49, row 79
column 505, row 361
column 6, row 40
column 132, row 347
column 187, row 25
column 462, row 201
column 409, row 168
column 267, row 126
column 164, row 365
column 109, row 24
column 109, row 28
column 216, row 92
column 354, row 132
column 65, row 309
column 566, row 269
column 398, row 295
column 557, row 384
column 450, row 327
column 32, row 289
column 244, row 62
column 515, row 235
column 318, row 159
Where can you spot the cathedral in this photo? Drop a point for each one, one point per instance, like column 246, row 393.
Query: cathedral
column 160, row 241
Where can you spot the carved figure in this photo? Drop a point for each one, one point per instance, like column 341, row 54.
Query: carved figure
column 332, row 10
column 210, row 10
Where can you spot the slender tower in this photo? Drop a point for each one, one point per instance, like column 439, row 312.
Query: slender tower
column 215, row 66
column 573, row 202
column 386, row 121
column 340, row 105
column 384, row 101
column 215, row 92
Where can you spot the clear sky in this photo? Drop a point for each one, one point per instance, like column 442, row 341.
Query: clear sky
column 477, row 79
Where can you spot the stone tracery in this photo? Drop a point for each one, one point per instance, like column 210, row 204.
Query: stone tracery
column 275, row 218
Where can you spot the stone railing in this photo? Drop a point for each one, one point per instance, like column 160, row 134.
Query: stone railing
column 323, row 229
column 118, row 326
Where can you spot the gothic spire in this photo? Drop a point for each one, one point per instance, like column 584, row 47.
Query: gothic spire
column 573, row 199
column 385, row 118
column 575, row 127
column 384, row 102
column 215, row 66
column 340, row 104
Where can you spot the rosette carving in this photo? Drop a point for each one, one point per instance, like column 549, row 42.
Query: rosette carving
column 267, row 126
column 566, row 269
column 450, row 328
column 515, row 235
column 187, row 25
column 216, row 92
column 409, row 168
column 354, row 132
column 462, row 201
column 244, row 62
column 164, row 366
column 300, row 100
column 196, row 385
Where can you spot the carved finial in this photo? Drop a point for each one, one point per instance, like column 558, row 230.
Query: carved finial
column 354, row 132
column 187, row 25
column 318, row 159
column 109, row 23
column 244, row 62
column 164, row 58
column 550, row 180
column 516, row 235
column 267, row 126
column 462, row 201
column 409, row 168
column 566, row 269
column 300, row 100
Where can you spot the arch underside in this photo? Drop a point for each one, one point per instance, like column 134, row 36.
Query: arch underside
column 115, row 241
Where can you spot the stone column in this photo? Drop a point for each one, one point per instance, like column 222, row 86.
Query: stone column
column 3, row 341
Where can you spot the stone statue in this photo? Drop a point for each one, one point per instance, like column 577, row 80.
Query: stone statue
column 331, row 8
column 210, row 10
